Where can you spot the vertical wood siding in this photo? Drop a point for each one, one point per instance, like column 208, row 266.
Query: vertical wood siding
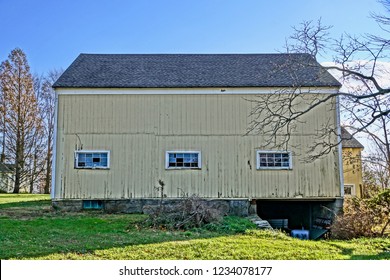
column 139, row 129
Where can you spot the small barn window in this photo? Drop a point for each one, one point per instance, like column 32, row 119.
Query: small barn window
column 92, row 204
column 349, row 190
column 92, row 159
column 183, row 160
column 274, row 160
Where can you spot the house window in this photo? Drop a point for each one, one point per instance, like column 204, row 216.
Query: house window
column 349, row 189
column 92, row 204
column 274, row 160
column 183, row 160
column 92, row 159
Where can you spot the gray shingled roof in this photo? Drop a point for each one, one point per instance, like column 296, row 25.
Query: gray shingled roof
column 194, row 70
column 348, row 141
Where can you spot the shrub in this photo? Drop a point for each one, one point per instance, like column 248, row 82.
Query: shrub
column 190, row 212
column 364, row 217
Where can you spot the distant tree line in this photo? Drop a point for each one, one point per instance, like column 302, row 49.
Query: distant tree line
column 27, row 108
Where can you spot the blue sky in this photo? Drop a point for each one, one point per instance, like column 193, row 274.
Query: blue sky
column 54, row 32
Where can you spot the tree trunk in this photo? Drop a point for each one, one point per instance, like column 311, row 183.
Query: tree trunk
column 48, row 166
column 19, row 161
column 384, row 227
column 2, row 156
column 17, row 178
column 33, row 173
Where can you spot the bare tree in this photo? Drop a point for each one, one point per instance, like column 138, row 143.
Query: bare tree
column 47, row 104
column 35, row 163
column 365, row 103
column 310, row 37
column 23, row 126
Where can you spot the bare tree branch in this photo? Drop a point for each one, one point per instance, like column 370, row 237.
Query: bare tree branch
column 364, row 103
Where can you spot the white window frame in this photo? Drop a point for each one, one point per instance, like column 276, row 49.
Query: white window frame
column 76, row 159
column 183, row 152
column 258, row 167
column 353, row 190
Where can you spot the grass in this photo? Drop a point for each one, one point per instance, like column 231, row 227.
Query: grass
column 22, row 200
column 29, row 229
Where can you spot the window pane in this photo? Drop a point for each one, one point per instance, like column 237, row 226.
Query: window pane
column 172, row 160
column 183, row 160
column 92, row 160
column 273, row 160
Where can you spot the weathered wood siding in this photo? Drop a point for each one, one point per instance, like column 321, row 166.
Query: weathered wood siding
column 139, row 129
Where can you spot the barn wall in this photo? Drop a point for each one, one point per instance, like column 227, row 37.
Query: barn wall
column 138, row 129
column 352, row 168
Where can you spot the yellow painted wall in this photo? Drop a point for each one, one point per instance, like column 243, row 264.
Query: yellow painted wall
column 138, row 129
column 352, row 169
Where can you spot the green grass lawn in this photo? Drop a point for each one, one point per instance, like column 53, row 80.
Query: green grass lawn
column 30, row 229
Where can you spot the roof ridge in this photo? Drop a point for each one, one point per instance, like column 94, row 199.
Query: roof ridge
column 195, row 70
column 200, row 54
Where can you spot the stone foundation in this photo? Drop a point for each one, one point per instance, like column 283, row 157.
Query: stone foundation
column 237, row 207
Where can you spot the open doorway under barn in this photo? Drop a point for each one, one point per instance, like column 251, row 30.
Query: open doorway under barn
column 308, row 215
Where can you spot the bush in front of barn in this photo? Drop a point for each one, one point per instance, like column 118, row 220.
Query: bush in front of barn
column 189, row 212
column 364, row 217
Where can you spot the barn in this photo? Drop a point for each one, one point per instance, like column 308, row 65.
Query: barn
column 128, row 123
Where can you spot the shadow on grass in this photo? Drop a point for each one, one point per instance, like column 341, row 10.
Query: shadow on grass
column 344, row 251
column 45, row 233
column 384, row 255
column 379, row 256
column 34, row 203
